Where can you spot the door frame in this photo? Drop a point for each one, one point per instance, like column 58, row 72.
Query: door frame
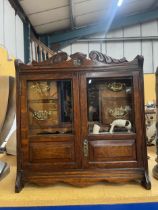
column 24, row 122
column 137, row 106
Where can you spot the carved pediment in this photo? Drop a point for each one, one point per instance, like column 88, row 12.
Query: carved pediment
column 55, row 59
column 95, row 59
column 79, row 58
column 100, row 57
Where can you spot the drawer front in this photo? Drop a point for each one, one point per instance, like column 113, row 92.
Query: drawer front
column 112, row 150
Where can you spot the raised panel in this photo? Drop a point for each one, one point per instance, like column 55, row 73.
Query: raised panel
column 48, row 151
column 112, row 150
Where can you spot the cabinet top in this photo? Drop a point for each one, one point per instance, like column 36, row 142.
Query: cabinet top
column 79, row 61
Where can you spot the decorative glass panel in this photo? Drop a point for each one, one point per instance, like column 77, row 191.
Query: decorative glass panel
column 50, row 107
column 110, row 104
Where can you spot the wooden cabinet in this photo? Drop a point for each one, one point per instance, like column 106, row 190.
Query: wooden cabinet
column 80, row 121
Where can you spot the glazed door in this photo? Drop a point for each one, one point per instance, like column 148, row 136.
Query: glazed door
column 108, row 109
column 50, row 121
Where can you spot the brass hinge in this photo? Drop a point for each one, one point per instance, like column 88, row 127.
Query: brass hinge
column 85, row 148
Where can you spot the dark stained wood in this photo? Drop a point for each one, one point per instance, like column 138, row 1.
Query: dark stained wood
column 19, row 182
column 80, row 158
column 86, row 178
column 87, row 65
column 57, row 58
column 56, row 151
column 112, row 150
column 79, row 56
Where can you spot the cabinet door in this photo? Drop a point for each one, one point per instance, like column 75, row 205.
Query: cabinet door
column 108, row 120
column 50, row 121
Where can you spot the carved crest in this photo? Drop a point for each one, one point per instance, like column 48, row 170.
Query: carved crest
column 100, row 57
column 55, row 59
column 78, row 58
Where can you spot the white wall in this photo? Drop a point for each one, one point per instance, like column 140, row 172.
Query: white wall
column 11, row 36
column 11, row 30
column 128, row 49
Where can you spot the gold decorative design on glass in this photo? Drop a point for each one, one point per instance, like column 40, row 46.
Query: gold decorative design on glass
column 119, row 112
column 41, row 87
column 115, row 86
column 42, row 114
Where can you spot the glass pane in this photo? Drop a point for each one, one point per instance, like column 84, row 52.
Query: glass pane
column 50, row 107
column 110, row 106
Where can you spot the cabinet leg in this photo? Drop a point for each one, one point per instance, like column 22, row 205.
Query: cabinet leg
column 19, row 182
column 146, row 182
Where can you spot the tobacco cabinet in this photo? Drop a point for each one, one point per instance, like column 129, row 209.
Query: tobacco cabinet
column 80, row 120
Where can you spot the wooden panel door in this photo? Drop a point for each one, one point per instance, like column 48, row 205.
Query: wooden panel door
column 50, row 122
column 109, row 102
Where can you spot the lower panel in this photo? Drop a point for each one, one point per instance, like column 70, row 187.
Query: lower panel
column 48, row 151
column 111, row 154
column 85, row 178
column 51, row 156
column 82, row 178
column 112, row 150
